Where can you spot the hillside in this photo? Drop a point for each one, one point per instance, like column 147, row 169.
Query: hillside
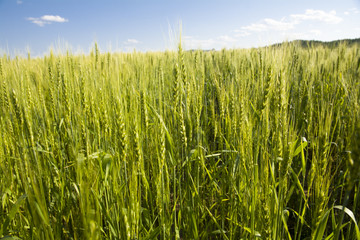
column 331, row 44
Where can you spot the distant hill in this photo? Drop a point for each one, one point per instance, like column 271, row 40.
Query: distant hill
column 332, row 44
column 305, row 44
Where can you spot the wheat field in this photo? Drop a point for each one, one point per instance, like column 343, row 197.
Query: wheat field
column 233, row 144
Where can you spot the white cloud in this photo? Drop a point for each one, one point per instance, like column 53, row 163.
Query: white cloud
column 318, row 15
column 354, row 11
column 315, row 32
column 284, row 27
column 241, row 33
column 132, row 41
column 288, row 23
column 18, row 2
column 51, row 18
column 310, row 35
column 191, row 42
column 227, row 39
column 255, row 27
column 36, row 21
column 47, row 19
column 279, row 25
column 270, row 24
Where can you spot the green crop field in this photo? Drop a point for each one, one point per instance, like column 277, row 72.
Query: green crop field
column 233, row 144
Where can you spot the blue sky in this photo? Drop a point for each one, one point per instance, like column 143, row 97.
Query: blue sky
column 38, row 25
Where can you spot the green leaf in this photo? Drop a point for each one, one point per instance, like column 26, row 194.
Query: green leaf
column 153, row 234
column 300, row 148
column 320, row 230
column 222, row 232
column 10, row 238
column 12, row 214
column 331, row 236
column 351, row 215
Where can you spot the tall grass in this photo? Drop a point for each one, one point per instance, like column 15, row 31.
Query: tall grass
column 232, row 144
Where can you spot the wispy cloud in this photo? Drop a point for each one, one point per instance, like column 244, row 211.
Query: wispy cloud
column 270, row 24
column 226, row 39
column 241, row 33
column 47, row 19
column 193, row 42
column 302, row 35
column 255, row 27
column 132, row 41
column 52, row 18
column 284, row 28
column 18, row 2
column 352, row 11
column 315, row 32
column 355, row 10
column 281, row 25
column 291, row 21
column 318, row 15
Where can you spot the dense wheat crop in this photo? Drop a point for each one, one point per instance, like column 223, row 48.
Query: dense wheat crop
column 233, row 144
